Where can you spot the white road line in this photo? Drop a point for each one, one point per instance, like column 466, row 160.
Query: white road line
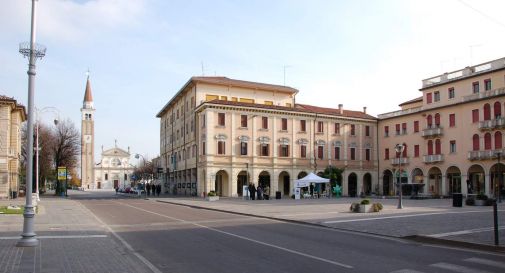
column 462, row 232
column 486, row 262
column 457, row 268
column 402, row 216
column 244, row 238
column 57, row 237
column 126, row 244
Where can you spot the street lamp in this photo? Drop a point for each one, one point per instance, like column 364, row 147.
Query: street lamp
column 37, row 149
column 32, row 51
column 137, row 156
column 499, row 180
column 399, row 149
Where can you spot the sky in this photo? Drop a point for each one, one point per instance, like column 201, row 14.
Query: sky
column 141, row 52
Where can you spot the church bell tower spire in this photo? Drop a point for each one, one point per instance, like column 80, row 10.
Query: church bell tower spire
column 87, row 139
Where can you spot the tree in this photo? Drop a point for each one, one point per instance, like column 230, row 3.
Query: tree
column 66, row 147
column 334, row 174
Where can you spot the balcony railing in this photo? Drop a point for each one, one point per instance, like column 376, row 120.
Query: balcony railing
column 397, row 161
column 485, row 94
column 492, row 124
column 484, row 155
column 432, row 132
column 433, row 158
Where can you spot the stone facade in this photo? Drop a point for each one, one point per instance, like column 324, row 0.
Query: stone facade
column 114, row 169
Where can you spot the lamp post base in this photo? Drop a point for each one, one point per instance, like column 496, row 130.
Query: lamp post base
column 28, row 238
column 27, row 242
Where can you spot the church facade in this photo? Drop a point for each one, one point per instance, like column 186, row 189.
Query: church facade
column 114, row 169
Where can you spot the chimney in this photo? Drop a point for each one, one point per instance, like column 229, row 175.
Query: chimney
column 364, row 109
column 341, row 109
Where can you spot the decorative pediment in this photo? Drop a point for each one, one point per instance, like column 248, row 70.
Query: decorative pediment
column 243, row 138
column 221, row 137
column 368, row 145
column 263, row 140
column 320, row 142
column 303, row 141
column 337, row 143
column 352, row 145
column 284, row 141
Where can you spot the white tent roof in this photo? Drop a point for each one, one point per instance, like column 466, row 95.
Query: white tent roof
column 310, row 178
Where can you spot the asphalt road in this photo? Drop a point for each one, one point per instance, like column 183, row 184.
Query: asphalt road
column 171, row 238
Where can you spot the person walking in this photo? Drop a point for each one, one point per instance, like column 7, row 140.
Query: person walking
column 252, row 191
column 266, row 192
column 259, row 191
column 148, row 189
column 158, row 189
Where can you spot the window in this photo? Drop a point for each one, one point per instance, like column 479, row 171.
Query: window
column 475, row 142
column 303, row 151
column 498, row 140
column 353, row 130
column 264, row 149
column 243, row 148
column 416, row 126
column 437, row 119
column 404, row 128
column 430, row 147
column 397, row 129
column 220, row 119
column 386, row 131
column 386, row 153
column 487, row 141
column 264, row 122
column 367, row 154
column 284, row 124
column 243, row 121
column 404, row 154
column 416, row 150
column 487, row 111
column 337, row 153
column 438, row 148
column 428, row 98
column 106, row 176
column 367, row 130
column 220, row 148
column 452, row 146
column 487, row 84
column 337, row 128
column 475, row 87
column 450, row 93
column 436, row 96
column 475, row 115
column 452, row 120
column 303, row 126
column 429, row 121
column 320, row 127
column 497, row 109
column 125, row 176
column 284, row 151
column 177, row 113
column 353, row 153
column 320, row 152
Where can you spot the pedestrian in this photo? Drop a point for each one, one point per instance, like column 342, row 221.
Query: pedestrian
column 148, row 189
column 259, row 191
column 252, row 190
column 117, row 189
column 469, row 185
column 266, row 192
column 158, row 189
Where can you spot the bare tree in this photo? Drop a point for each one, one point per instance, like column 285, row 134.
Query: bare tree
column 65, row 147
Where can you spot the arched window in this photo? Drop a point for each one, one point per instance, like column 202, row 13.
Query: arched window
column 497, row 140
column 487, row 141
column 487, row 111
column 430, row 147
column 437, row 119
column 438, row 148
column 404, row 154
column 497, row 109
column 429, row 119
column 475, row 141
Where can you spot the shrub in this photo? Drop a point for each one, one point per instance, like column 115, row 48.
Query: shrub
column 354, row 207
column 377, row 207
column 470, row 202
column 481, row 196
column 365, row 202
column 211, row 193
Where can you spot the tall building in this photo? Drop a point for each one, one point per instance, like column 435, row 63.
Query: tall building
column 87, row 140
column 453, row 134
column 220, row 134
column 12, row 115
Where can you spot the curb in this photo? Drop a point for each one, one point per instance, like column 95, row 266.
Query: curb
column 415, row 238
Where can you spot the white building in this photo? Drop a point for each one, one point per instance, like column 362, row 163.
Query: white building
column 114, row 169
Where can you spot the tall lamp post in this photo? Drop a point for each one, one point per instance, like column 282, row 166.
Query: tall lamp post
column 32, row 51
column 37, row 147
column 499, row 179
column 399, row 149
column 137, row 156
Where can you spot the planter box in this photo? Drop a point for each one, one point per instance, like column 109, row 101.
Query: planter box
column 365, row 208
column 480, row 202
column 212, row 198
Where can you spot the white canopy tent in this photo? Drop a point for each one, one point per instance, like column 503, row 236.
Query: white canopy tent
column 310, row 178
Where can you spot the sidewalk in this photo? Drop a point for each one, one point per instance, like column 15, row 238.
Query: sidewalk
column 71, row 239
column 431, row 220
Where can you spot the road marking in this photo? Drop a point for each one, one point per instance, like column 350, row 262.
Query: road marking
column 462, row 232
column 486, row 262
column 57, row 237
column 244, row 238
column 126, row 244
column 402, row 216
column 457, row 268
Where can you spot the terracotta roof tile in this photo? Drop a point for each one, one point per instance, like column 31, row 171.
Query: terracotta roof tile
column 411, row 101
column 87, row 94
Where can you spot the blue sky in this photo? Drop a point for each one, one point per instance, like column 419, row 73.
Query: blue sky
column 140, row 52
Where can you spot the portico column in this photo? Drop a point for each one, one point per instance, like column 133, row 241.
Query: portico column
column 444, row 178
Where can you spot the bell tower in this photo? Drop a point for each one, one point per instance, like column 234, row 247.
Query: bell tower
column 87, row 140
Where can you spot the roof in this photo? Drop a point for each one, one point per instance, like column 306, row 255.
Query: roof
column 116, row 152
column 411, row 101
column 87, row 94
column 228, row 82
column 298, row 108
column 17, row 106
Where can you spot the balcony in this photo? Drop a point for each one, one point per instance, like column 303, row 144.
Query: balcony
column 484, row 155
column 433, row 158
column 397, row 161
column 432, row 132
column 492, row 124
column 485, row 94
